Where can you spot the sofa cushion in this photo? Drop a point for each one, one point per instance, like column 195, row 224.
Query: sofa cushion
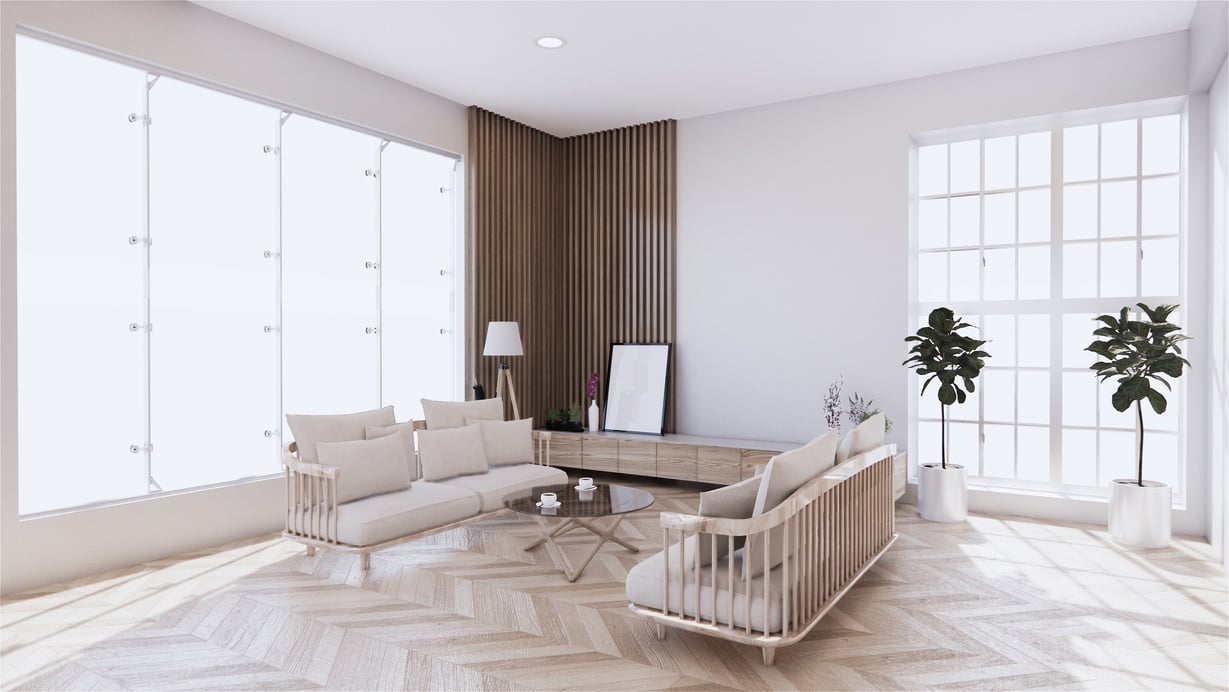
column 384, row 517
column 407, row 439
column 368, row 467
column 735, row 501
column 452, row 414
column 507, row 482
column 308, row 431
column 506, row 442
column 451, row 452
column 785, row 474
column 644, row 588
column 862, row 439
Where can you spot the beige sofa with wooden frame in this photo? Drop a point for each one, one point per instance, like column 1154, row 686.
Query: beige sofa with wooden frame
column 318, row 514
column 825, row 536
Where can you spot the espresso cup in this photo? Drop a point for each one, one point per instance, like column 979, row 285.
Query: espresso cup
column 549, row 499
column 586, row 483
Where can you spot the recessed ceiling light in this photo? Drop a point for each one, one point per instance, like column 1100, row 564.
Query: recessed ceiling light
column 551, row 42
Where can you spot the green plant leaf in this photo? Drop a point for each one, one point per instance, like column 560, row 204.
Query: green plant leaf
column 1157, row 400
column 947, row 394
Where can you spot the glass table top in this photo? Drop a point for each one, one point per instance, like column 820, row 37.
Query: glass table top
column 603, row 501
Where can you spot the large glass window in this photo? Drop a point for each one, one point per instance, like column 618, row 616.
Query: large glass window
column 192, row 265
column 1029, row 236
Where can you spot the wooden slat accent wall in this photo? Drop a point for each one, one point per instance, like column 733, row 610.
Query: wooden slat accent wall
column 574, row 239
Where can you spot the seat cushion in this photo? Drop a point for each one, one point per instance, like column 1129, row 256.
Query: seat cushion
column 862, row 439
column 452, row 414
column 644, row 588
column 368, row 467
column 308, row 431
column 384, row 517
column 506, row 482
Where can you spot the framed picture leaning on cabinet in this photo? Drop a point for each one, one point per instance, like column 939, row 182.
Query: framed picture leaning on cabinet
column 636, row 388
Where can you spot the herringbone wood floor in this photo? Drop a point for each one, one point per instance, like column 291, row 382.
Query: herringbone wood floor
column 994, row 603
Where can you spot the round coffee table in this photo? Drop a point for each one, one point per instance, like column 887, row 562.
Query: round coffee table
column 580, row 509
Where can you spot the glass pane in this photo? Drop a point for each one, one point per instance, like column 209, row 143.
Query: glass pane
column 1162, row 144
column 1033, row 458
column 932, row 277
column 1000, row 332
column 970, row 409
column 1033, row 401
column 1160, row 267
column 1000, row 274
column 1080, row 398
column 1000, row 163
column 330, row 360
column 79, row 282
column 1000, row 450
column 966, row 223
column 1080, row 153
column 1109, row 416
column 966, row 272
column 1118, row 269
column 1034, row 338
column 419, row 354
column 932, row 170
column 963, row 446
column 1161, row 204
column 1118, row 149
column 1035, row 159
column 1001, row 218
column 1161, row 458
column 1034, row 216
column 966, row 166
column 1034, row 272
column 1079, row 457
column 932, row 223
column 1077, row 335
column 1080, row 270
column 928, row 403
column 1118, row 209
column 1000, row 395
column 1167, row 421
column 1079, row 212
column 1117, row 456
column 928, row 441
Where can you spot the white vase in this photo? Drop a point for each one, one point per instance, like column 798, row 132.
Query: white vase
column 943, row 494
column 1140, row 516
column 595, row 418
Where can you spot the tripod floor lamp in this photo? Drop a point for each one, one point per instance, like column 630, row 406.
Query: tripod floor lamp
column 504, row 339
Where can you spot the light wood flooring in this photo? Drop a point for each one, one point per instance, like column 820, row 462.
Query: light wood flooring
column 994, row 603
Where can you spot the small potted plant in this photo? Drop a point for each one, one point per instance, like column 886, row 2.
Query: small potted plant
column 1135, row 352
column 565, row 419
column 940, row 352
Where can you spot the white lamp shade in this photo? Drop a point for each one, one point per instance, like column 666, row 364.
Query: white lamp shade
column 503, row 339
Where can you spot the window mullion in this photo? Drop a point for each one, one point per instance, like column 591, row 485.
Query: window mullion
column 1055, row 308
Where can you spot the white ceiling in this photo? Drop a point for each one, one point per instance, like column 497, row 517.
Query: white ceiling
column 633, row 62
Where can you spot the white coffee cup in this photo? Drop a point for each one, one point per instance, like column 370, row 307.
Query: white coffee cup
column 586, row 483
column 549, row 499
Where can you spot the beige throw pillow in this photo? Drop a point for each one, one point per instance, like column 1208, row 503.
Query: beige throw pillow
column 452, row 414
column 862, row 439
column 308, row 431
column 785, row 474
column 407, row 439
column 368, row 467
column 506, row 442
column 451, row 452
column 735, row 501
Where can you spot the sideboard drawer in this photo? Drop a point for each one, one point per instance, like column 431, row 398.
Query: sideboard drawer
column 639, row 458
column 565, row 452
column 676, row 461
column 722, row 465
column 754, row 461
column 600, row 454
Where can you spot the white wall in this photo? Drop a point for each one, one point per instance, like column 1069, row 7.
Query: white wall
column 793, row 245
column 1218, row 332
column 196, row 42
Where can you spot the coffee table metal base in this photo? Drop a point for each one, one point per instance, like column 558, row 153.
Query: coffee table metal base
column 551, row 532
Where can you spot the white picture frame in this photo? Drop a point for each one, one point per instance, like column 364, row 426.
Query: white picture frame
column 636, row 383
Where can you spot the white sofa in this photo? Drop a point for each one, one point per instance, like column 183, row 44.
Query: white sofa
column 360, row 482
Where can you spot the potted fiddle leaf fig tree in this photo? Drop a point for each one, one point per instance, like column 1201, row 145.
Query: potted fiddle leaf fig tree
column 1139, row 353
column 940, row 352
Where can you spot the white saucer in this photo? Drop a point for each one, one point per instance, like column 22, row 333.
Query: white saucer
column 554, row 506
column 587, row 490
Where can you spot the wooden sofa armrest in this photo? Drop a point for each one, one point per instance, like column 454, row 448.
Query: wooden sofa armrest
column 542, row 438
column 311, row 497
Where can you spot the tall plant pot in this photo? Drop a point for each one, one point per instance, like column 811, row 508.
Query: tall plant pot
column 1140, row 516
column 943, row 493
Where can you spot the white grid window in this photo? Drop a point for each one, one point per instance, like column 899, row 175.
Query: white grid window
column 1029, row 236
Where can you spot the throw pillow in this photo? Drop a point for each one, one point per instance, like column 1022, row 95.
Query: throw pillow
column 735, row 501
column 506, row 442
column 368, row 467
column 407, row 439
column 867, row 436
column 308, row 431
column 451, row 452
column 452, row 414
column 785, row 473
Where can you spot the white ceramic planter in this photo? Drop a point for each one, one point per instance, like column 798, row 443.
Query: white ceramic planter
column 1140, row 516
column 943, row 494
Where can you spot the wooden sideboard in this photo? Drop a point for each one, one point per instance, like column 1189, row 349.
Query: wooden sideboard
column 682, row 457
